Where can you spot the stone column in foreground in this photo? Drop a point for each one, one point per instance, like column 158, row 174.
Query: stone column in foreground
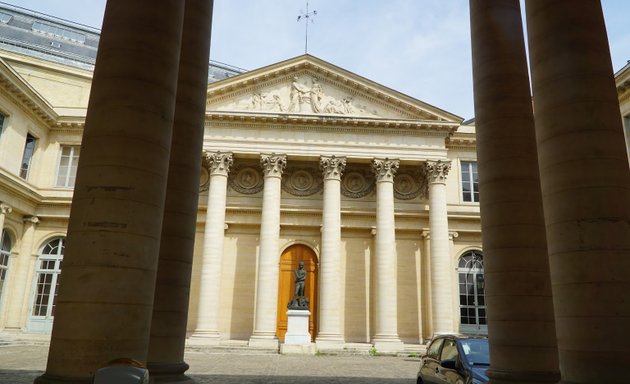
column 330, row 334
column 207, row 330
column 521, row 326
column 385, row 337
column 172, row 291
column 105, row 302
column 441, row 268
column 265, row 317
column 585, row 187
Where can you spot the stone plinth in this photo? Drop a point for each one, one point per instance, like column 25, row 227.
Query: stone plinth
column 297, row 340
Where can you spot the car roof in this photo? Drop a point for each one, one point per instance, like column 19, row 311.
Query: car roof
column 458, row 336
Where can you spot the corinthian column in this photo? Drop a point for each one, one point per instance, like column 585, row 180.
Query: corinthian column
column 330, row 334
column 210, row 288
column 265, row 317
column 21, row 281
column 386, row 285
column 441, row 288
column 585, row 187
column 516, row 266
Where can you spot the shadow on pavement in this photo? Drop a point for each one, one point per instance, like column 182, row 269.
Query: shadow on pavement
column 252, row 379
column 18, row 376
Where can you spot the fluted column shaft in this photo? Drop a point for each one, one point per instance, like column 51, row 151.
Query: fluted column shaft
column 330, row 260
column 20, row 282
column 385, row 263
column 210, row 287
column 585, row 186
column 268, row 259
column 105, row 302
column 441, row 298
column 521, row 326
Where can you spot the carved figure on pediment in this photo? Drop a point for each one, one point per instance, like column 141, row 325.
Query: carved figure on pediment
column 317, row 95
column 266, row 102
column 298, row 94
column 347, row 104
column 335, row 106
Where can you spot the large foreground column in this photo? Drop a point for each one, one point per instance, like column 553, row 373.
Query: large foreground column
column 330, row 333
column 207, row 330
column 441, row 297
column 385, row 264
column 105, row 301
column 518, row 290
column 172, row 291
column 265, row 316
column 585, row 185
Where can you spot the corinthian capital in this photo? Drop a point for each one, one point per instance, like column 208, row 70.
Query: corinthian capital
column 218, row 163
column 5, row 209
column 437, row 170
column 273, row 165
column 385, row 169
column 332, row 166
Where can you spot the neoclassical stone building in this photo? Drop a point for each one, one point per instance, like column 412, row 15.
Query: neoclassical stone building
column 302, row 161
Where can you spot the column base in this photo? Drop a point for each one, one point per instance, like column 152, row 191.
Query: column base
column 329, row 342
column 388, row 344
column 205, row 338
column 169, row 372
column 264, row 342
column 298, row 349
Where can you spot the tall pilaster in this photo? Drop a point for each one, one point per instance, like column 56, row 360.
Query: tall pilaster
column 441, row 288
column 20, row 282
column 330, row 333
column 177, row 243
column 5, row 209
column 585, row 187
column 207, row 330
column 385, row 264
column 265, row 316
column 516, row 266
column 105, row 302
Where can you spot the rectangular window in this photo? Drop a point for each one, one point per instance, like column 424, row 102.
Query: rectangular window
column 470, row 182
column 29, row 150
column 1, row 124
column 67, row 171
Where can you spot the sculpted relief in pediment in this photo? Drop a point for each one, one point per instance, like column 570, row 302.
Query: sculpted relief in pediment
column 304, row 94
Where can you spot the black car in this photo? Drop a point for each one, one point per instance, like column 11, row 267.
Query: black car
column 455, row 359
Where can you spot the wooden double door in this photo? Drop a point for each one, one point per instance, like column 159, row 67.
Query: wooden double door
column 289, row 261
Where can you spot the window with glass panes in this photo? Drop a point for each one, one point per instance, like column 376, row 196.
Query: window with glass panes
column 470, row 182
column 67, row 171
column 2, row 117
column 471, row 282
column 5, row 252
column 47, row 279
column 29, row 150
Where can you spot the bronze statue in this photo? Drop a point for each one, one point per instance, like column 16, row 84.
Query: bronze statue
column 299, row 301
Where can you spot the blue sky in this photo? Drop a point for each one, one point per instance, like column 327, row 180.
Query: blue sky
column 418, row 47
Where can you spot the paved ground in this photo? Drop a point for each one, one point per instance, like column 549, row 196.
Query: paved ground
column 21, row 364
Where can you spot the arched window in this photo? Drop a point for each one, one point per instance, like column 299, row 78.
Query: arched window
column 472, row 303
column 46, row 285
column 5, row 252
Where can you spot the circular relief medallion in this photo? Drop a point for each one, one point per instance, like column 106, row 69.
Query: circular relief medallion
column 204, row 180
column 406, row 187
column 301, row 182
column 356, row 184
column 246, row 180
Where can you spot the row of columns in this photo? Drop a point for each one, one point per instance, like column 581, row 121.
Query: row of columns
column 554, row 186
column 330, row 333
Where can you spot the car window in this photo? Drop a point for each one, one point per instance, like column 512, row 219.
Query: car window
column 449, row 351
column 476, row 351
column 434, row 349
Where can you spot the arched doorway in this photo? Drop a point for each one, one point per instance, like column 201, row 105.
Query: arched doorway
column 288, row 264
column 5, row 254
column 472, row 301
column 46, row 285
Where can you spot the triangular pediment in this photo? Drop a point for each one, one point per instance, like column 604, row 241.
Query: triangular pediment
column 306, row 85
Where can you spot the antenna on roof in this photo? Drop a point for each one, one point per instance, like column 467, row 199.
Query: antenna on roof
column 307, row 17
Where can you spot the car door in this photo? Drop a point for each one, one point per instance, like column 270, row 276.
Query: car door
column 430, row 363
column 450, row 372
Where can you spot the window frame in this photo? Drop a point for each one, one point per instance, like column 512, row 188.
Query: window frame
column 73, row 149
column 25, row 172
column 471, row 183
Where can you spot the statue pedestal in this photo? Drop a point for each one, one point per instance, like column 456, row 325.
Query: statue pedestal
column 297, row 339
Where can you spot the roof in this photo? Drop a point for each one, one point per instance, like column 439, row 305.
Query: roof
column 61, row 41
